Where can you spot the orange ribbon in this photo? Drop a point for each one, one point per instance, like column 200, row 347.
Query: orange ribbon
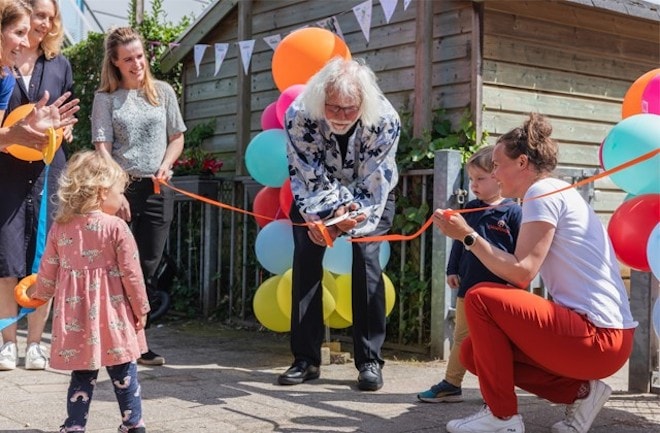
column 398, row 237
column 449, row 212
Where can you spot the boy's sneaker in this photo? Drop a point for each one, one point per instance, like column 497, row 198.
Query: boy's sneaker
column 582, row 413
column 35, row 357
column 485, row 422
column 444, row 392
column 8, row 356
column 151, row 358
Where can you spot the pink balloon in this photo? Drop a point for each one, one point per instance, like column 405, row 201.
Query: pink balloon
column 651, row 96
column 269, row 118
column 286, row 98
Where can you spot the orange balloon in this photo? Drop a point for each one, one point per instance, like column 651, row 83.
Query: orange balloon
column 302, row 53
column 21, row 296
column 23, row 152
column 632, row 102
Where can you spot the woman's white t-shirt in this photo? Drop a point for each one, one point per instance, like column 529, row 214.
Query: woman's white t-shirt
column 580, row 271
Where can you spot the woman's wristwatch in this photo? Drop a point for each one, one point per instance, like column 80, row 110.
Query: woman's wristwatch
column 469, row 240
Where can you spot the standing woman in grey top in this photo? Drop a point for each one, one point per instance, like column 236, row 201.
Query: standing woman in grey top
column 137, row 120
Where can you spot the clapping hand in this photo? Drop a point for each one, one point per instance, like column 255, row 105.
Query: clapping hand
column 31, row 131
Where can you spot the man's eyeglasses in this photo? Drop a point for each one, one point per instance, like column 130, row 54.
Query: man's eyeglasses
column 348, row 111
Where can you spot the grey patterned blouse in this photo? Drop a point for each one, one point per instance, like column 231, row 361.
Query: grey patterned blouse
column 139, row 132
column 321, row 181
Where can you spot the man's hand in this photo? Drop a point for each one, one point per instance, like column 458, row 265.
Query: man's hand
column 352, row 220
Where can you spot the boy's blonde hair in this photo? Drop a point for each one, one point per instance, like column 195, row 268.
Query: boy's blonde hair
column 86, row 174
column 483, row 159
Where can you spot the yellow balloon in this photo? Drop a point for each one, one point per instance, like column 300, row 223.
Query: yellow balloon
column 266, row 309
column 283, row 294
column 344, row 300
column 337, row 322
column 390, row 295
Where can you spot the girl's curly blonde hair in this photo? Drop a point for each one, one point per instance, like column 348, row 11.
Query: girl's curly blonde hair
column 86, row 174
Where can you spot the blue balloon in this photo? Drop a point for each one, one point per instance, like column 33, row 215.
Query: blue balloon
column 339, row 258
column 632, row 137
column 653, row 252
column 384, row 256
column 274, row 246
column 265, row 158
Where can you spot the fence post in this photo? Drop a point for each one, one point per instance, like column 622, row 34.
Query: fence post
column 446, row 180
column 643, row 293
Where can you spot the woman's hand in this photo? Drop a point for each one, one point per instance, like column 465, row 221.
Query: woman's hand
column 124, row 211
column 451, row 224
column 57, row 115
column 453, row 281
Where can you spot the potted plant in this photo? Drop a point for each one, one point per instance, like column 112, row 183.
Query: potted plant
column 196, row 168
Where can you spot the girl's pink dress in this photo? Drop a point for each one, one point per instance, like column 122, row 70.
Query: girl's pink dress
column 91, row 268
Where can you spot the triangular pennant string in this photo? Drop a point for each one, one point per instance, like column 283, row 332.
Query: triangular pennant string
column 363, row 14
column 246, row 48
column 388, row 8
column 406, row 3
column 331, row 24
column 199, row 55
column 220, row 53
column 273, row 41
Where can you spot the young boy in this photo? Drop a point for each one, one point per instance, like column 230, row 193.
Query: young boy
column 499, row 226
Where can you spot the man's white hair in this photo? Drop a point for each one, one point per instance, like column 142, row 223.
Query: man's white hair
column 348, row 79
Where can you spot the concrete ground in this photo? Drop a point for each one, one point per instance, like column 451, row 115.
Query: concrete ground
column 223, row 380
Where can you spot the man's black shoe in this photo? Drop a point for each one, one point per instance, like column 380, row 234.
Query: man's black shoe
column 298, row 373
column 370, row 377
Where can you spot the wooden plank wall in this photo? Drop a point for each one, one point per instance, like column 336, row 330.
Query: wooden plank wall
column 571, row 63
column 390, row 52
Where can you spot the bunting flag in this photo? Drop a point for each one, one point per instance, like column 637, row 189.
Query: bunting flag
column 220, row 54
column 363, row 14
column 331, row 24
column 199, row 55
column 246, row 48
column 273, row 41
column 388, row 8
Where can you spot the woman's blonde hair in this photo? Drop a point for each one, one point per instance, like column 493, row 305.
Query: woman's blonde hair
column 86, row 174
column 110, row 74
column 10, row 12
column 51, row 45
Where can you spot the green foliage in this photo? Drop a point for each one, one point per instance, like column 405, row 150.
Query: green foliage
column 419, row 152
column 409, row 322
column 86, row 58
column 158, row 34
column 194, row 159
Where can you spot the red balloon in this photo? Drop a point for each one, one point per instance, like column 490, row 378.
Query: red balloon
column 286, row 197
column 630, row 228
column 267, row 204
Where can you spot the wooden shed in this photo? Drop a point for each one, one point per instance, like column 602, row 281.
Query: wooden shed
column 572, row 60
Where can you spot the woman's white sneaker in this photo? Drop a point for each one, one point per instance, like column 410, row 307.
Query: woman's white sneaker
column 35, row 357
column 485, row 422
column 8, row 355
column 582, row 413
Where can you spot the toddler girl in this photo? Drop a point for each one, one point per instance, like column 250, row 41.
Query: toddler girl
column 91, row 268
